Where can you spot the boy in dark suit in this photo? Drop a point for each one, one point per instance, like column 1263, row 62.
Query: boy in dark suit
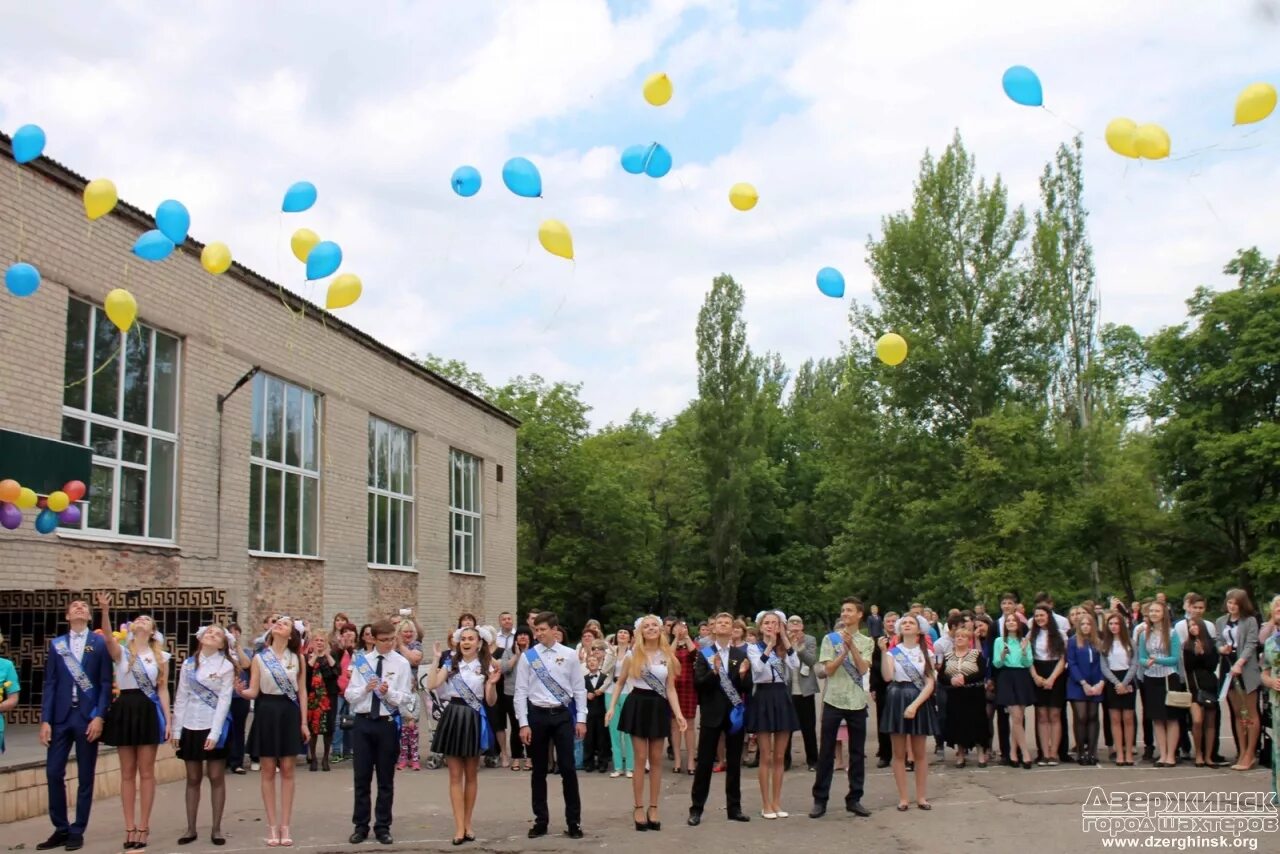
column 595, row 750
column 77, row 691
column 717, row 715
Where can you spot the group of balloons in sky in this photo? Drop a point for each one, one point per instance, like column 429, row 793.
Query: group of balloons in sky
column 1126, row 137
column 58, row 506
column 173, row 223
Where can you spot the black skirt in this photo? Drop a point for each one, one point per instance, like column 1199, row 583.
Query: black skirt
column 1121, row 702
column 1050, row 698
column 770, row 709
column 899, row 695
column 191, row 747
column 966, row 723
column 132, row 721
column 1014, row 687
column 458, row 732
column 277, row 728
column 1154, row 689
column 647, row 714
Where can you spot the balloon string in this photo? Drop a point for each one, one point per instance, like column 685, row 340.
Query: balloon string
column 110, row 360
column 22, row 230
column 573, row 275
column 1061, row 119
column 528, row 247
column 687, row 195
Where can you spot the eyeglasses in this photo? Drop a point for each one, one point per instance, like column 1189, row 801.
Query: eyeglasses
column 385, row 638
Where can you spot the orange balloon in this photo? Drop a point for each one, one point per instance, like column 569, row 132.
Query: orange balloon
column 9, row 490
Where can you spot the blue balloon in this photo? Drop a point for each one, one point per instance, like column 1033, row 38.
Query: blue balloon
column 658, row 163
column 633, row 159
column 1023, row 86
column 28, row 143
column 47, row 521
column 324, row 260
column 466, row 181
column 522, row 178
column 153, row 246
column 173, row 220
column 22, row 279
column 831, row 282
column 299, row 197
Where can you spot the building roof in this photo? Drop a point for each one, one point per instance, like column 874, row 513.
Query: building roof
column 75, row 182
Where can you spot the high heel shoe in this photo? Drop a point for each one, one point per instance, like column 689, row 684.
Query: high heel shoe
column 286, row 840
column 640, row 825
column 650, row 823
column 273, row 841
column 128, row 839
column 141, row 844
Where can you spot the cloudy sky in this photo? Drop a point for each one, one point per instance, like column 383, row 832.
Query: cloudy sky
column 825, row 106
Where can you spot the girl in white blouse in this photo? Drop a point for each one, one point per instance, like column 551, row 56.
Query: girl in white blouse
column 771, row 715
column 201, row 721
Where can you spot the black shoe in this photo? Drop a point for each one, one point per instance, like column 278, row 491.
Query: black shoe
column 574, row 831
column 858, row 809
column 819, row 809
column 58, row 840
column 695, row 818
column 385, row 838
column 217, row 838
column 187, row 839
column 537, row 830
column 882, row 763
column 810, row 767
column 358, row 836
column 911, row 766
column 739, row 815
column 74, row 842
column 241, row 771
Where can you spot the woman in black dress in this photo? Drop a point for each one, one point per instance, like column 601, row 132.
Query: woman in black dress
column 322, row 699
column 1049, row 661
column 277, row 682
column 964, row 670
column 1200, row 663
column 1119, row 695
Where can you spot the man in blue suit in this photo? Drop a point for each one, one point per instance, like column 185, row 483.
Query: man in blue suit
column 77, row 691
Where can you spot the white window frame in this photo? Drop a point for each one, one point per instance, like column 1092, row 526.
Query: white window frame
column 260, row 381
column 408, row 561
column 117, row 423
column 473, row 481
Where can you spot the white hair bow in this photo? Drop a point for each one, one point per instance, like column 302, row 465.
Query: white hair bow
column 782, row 618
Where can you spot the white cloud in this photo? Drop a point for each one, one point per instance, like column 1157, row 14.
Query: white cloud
column 224, row 105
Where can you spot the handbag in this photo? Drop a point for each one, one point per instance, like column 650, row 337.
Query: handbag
column 1175, row 699
column 346, row 721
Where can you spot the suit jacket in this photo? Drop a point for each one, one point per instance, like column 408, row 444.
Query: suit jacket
column 55, row 706
column 712, row 703
column 1246, row 650
column 808, row 655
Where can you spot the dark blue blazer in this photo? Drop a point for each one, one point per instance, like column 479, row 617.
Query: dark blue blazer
column 1082, row 663
column 96, row 662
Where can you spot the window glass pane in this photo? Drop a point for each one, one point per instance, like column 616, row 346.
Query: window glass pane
column 255, row 507
column 393, row 546
column 293, row 426
column 384, row 513
column 455, row 466
column 133, row 501
column 101, row 497
column 160, row 520
column 407, row 536
column 384, row 457
column 373, row 451
column 310, row 515
column 72, row 430
column 275, row 416
column 393, row 474
column 292, row 511
column 455, row 561
column 259, row 406
column 271, row 526
column 103, row 440
column 469, row 555
column 164, row 401
column 137, row 372
column 373, row 523
column 76, row 360
column 134, row 448
column 106, row 352
column 406, row 464
column 311, row 431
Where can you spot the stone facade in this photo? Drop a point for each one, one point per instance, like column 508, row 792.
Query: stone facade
column 229, row 325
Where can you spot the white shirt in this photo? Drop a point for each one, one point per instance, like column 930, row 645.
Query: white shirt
column 125, row 680
column 657, row 666
column 1118, row 657
column 915, row 655
column 1181, row 628
column 76, row 641
column 396, row 672
column 267, row 682
column 762, row 669
column 563, row 666
column 470, row 673
column 1041, row 651
column 189, row 711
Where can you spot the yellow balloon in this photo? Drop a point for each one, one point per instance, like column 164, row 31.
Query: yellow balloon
column 891, row 348
column 302, row 242
column 743, row 196
column 1152, row 142
column 99, row 198
column 27, row 499
column 343, row 291
column 121, row 308
column 1255, row 103
column 58, row 501
column 1121, row 135
column 555, row 238
column 216, row 258
column 657, row 89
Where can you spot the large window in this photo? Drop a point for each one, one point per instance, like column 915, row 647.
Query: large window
column 390, row 495
column 284, row 469
column 120, row 397
column 464, row 510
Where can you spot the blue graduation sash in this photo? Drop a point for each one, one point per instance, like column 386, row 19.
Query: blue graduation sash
column 207, row 696
column 281, row 676
column 775, row 663
column 463, row 691
column 837, row 646
column 902, row 660
column 654, row 682
column 62, row 648
column 369, row 675
column 562, row 694
column 738, row 712
column 139, row 673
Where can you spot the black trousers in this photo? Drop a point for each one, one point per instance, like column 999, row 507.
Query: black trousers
column 239, row 717
column 857, row 724
column 884, row 746
column 377, row 745
column 806, row 711
column 71, row 732
column 595, row 748
column 553, row 728
column 708, row 743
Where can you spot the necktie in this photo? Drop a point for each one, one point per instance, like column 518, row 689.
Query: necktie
column 376, row 708
column 75, row 691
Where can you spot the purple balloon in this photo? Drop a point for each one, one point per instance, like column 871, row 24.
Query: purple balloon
column 10, row 516
column 70, row 516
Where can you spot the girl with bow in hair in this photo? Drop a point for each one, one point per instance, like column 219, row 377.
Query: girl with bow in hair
column 202, row 725
column 771, row 715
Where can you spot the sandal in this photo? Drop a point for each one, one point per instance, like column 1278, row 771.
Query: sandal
column 273, row 841
column 515, row 766
column 128, row 839
column 286, row 840
column 141, row 844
